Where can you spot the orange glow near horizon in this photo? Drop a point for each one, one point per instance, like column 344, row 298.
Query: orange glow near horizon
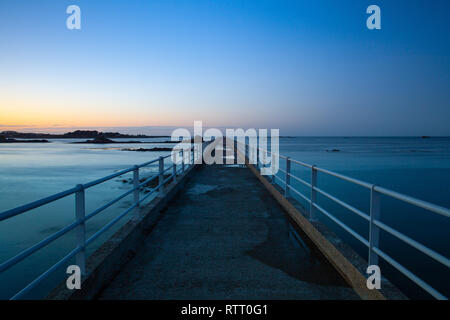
column 14, row 114
column 46, row 111
column 56, row 105
column 72, row 119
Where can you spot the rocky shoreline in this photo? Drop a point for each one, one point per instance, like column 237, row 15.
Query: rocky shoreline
column 148, row 150
column 10, row 140
column 78, row 134
column 103, row 140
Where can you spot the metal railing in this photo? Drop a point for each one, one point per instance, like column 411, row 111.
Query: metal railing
column 79, row 225
column 373, row 218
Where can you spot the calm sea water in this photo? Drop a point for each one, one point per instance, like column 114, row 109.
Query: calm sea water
column 29, row 172
column 414, row 166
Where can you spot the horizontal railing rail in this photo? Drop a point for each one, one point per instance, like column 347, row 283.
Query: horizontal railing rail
column 373, row 218
column 188, row 157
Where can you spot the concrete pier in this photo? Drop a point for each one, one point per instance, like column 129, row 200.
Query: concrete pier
column 224, row 236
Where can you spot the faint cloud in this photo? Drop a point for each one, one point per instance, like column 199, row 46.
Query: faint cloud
column 15, row 126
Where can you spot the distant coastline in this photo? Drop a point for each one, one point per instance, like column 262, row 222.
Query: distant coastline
column 11, row 140
column 101, row 137
column 78, row 134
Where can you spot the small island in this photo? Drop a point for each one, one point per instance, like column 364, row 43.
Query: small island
column 104, row 140
column 148, row 150
column 78, row 134
column 4, row 139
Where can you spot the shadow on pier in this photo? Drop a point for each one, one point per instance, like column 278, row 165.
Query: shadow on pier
column 225, row 237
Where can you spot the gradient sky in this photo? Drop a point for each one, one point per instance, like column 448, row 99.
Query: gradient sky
column 305, row 67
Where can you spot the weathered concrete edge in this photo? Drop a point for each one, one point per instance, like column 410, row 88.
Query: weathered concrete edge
column 345, row 268
column 104, row 264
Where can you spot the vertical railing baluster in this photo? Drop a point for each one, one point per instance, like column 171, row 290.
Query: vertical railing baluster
column 80, row 212
column 258, row 154
column 161, row 176
column 261, row 155
column 247, row 155
column 288, row 177
column 271, row 165
column 374, row 231
column 174, row 171
column 238, row 153
column 182, row 160
column 263, row 159
column 136, row 190
column 266, row 155
column 312, row 215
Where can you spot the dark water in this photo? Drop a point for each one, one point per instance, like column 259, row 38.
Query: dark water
column 413, row 166
column 32, row 171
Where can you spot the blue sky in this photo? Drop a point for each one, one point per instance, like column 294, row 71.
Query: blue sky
column 305, row 67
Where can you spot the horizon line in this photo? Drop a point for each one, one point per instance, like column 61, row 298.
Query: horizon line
column 281, row 136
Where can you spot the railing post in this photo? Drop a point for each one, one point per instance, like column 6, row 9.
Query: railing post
column 182, row 160
column 374, row 231
column 263, row 160
column 161, row 176
column 257, row 156
column 247, row 156
column 288, row 177
column 312, row 215
column 136, row 189
column 265, row 156
column 272, row 161
column 80, row 212
column 174, row 171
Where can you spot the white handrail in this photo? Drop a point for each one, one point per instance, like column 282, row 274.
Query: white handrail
column 374, row 223
column 79, row 251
